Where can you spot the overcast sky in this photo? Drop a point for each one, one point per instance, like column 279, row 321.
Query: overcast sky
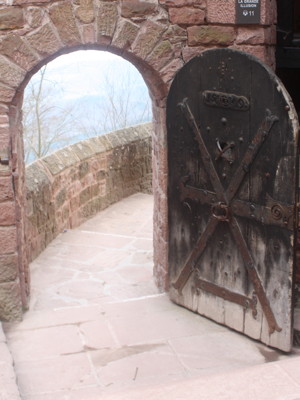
column 81, row 73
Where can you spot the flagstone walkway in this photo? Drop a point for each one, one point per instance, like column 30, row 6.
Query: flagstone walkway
column 98, row 328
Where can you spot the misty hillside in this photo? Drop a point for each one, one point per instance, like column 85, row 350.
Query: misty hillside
column 80, row 95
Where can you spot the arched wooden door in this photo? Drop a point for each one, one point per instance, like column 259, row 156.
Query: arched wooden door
column 232, row 195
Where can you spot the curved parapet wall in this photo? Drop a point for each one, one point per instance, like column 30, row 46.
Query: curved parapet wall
column 74, row 183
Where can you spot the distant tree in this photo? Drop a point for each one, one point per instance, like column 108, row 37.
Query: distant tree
column 46, row 125
column 121, row 105
column 51, row 120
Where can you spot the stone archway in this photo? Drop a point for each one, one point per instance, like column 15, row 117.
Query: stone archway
column 54, row 30
column 157, row 36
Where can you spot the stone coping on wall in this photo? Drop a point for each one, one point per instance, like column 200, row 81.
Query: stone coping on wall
column 67, row 187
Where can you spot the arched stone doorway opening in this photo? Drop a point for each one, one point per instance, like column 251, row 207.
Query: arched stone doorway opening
column 66, row 32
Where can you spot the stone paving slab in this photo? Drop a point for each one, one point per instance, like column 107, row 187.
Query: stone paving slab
column 99, row 328
column 273, row 381
column 8, row 381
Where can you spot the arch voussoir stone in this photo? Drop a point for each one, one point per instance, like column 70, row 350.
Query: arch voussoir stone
column 11, row 74
column 107, row 17
column 15, row 48
column 125, row 34
column 62, row 17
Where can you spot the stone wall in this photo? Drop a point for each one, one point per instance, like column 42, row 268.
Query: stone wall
column 74, row 183
column 157, row 36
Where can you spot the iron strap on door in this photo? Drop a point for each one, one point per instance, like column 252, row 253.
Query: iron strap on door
column 222, row 211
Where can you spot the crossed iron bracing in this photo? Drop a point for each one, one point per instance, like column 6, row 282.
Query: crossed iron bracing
column 225, row 209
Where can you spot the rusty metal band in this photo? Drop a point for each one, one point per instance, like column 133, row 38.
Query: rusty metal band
column 244, row 301
column 255, row 145
column 191, row 262
column 190, row 192
column 205, row 155
column 253, row 275
column 273, row 213
column 278, row 214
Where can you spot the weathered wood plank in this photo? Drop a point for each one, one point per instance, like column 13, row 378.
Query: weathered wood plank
column 233, row 134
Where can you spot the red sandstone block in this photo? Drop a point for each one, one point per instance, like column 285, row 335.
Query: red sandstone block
column 183, row 3
column 7, row 213
column 88, row 179
column 35, row 17
column 6, row 94
column 210, row 35
column 85, row 12
column 4, row 142
column 74, row 203
column 190, row 52
column 161, row 223
column 88, row 33
column 94, row 165
column 4, row 131
column 8, row 267
column 4, row 119
column 4, row 146
column 250, row 35
column 264, row 53
column 186, row 16
column 162, row 54
column 20, row 2
column 11, row 18
column 74, row 220
column 148, row 37
column 8, row 240
column 169, row 71
column 221, row 11
column 10, row 297
column 14, row 48
column 125, row 34
column 78, row 186
column 44, row 40
column 61, row 15
column 11, row 75
column 257, row 51
column 4, row 109
column 6, row 188
column 133, row 8
column 255, row 35
column 160, row 260
column 268, row 12
column 102, row 188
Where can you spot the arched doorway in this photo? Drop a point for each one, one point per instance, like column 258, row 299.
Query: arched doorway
column 16, row 121
column 56, row 29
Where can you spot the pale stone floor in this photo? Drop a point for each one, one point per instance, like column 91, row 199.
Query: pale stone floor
column 98, row 328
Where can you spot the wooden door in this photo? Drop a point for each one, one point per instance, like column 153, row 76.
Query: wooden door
column 232, row 194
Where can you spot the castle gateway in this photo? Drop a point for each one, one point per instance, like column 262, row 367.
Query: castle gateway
column 227, row 152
